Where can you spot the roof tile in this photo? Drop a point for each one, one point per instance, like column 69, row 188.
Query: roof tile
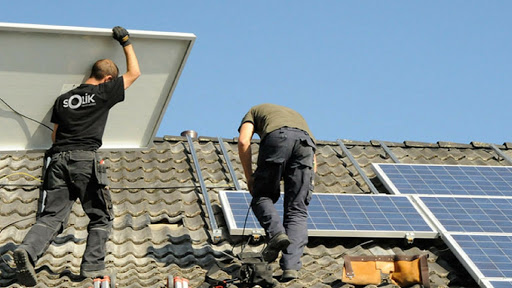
column 161, row 223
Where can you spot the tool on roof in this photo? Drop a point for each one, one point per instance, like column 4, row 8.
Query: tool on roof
column 251, row 270
column 401, row 270
column 101, row 282
column 177, row 282
column 170, row 281
column 105, row 282
column 97, row 282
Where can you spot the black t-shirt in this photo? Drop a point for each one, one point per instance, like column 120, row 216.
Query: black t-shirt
column 82, row 115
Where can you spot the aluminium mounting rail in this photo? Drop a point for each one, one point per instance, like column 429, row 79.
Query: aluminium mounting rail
column 388, row 151
column 358, row 168
column 501, row 154
column 228, row 163
column 217, row 233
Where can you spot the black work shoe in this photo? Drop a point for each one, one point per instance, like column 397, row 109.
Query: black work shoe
column 289, row 275
column 278, row 243
column 24, row 269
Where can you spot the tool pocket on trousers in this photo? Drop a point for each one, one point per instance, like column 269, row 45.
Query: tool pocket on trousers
column 108, row 202
column 100, row 170
column 272, row 147
column 310, row 191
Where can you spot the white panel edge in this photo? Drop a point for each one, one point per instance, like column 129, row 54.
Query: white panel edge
column 385, row 179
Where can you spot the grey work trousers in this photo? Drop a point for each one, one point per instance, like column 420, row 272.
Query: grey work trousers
column 287, row 154
column 68, row 176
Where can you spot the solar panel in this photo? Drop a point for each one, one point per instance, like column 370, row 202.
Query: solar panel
column 445, row 179
column 54, row 59
column 470, row 214
column 345, row 215
column 470, row 206
column 497, row 283
column 485, row 256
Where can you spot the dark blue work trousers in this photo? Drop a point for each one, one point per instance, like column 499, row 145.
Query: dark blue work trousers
column 287, row 154
column 71, row 175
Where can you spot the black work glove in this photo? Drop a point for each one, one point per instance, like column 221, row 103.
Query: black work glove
column 121, row 35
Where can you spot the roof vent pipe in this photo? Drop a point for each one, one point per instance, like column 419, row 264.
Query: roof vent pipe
column 192, row 133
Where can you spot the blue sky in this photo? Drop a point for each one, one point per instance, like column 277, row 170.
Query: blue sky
column 360, row 70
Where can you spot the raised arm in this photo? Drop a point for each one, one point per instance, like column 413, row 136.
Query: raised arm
column 132, row 64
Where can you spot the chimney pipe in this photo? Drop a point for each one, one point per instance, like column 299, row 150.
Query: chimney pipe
column 192, row 133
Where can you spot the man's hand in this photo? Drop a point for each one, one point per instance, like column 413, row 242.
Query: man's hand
column 132, row 64
column 121, row 35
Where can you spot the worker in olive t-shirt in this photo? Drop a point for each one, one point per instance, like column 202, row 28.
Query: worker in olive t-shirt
column 286, row 151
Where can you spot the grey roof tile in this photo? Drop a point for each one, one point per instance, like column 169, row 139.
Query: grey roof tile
column 161, row 223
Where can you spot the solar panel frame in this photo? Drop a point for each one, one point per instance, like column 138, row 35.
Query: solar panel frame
column 469, row 205
column 496, row 283
column 467, row 214
column 380, row 212
column 473, row 251
column 445, row 179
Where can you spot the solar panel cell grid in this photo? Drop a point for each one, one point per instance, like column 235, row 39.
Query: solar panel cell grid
column 500, row 284
column 474, row 200
column 342, row 212
column 472, row 215
column 492, row 255
column 450, row 180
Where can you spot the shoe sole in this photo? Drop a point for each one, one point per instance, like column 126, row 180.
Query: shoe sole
column 288, row 279
column 97, row 274
column 270, row 254
column 287, row 276
column 24, row 270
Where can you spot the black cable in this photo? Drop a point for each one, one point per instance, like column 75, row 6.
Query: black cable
column 243, row 230
column 40, row 123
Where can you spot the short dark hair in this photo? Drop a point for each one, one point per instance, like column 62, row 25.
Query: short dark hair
column 103, row 68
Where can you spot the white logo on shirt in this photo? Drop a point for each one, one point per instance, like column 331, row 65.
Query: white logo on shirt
column 76, row 101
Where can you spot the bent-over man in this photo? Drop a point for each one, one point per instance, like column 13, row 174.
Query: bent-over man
column 286, row 151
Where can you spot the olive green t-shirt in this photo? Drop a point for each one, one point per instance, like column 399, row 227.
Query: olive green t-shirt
column 269, row 117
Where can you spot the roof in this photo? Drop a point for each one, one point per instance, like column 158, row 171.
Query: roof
column 161, row 223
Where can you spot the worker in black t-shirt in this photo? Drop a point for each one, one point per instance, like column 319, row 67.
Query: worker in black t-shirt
column 74, row 170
